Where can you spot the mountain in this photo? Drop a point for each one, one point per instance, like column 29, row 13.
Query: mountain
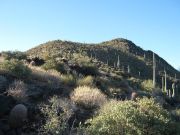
column 65, row 87
column 130, row 55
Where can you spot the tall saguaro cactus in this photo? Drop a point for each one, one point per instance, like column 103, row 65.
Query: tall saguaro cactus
column 144, row 56
column 162, row 84
column 118, row 62
column 107, row 62
column 154, row 71
column 165, row 81
column 114, row 64
column 129, row 69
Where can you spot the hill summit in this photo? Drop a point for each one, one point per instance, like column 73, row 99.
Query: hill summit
column 129, row 54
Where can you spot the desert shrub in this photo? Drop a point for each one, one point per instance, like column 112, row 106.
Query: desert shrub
column 14, row 55
column 57, row 113
column 89, row 69
column 147, row 85
column 68, row 79
column 81, row 59
column 18, row 90
column 88, row 97
column 128, row 117
column 16, row 68
column 176, row 114
column 53, row 64
column 87, row 80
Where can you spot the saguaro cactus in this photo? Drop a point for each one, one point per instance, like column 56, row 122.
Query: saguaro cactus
column 129, row 69
column 114, row 64
column 91, row 56
column 107, row 62
column 144, row 56
column 162, row 84
column 154, row 71
column 118, row 62
column 170, row 94
column 165, row 81
column 173, row 89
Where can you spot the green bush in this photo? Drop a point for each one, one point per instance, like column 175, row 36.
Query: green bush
column 147, row 85
column 89, row 70
column 52, row 64
column 144, row 117
column 16, row 68
column 14, row 55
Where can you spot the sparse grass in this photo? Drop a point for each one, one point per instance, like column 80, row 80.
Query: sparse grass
column 87, row 80
column 51, row 77
column 18, row 90
column 88, row 97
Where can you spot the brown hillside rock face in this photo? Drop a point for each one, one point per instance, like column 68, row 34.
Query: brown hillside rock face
column 17, row 116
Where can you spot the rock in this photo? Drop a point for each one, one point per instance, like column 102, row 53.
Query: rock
column 17, row 116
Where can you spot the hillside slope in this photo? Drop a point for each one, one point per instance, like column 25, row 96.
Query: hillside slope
column 130, row 56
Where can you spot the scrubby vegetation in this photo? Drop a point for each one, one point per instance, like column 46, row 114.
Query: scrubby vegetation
column 18, row 91
column 14, row 55
column 147, row 85
column 56, row 113
column 86, row 81
column 88, row 97
column 126, row 118
column 16, row 68
column 68, row 88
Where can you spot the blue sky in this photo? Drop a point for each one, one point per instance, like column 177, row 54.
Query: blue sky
column 151, row 24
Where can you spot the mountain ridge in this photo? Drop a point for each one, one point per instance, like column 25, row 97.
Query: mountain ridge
column 121, row 44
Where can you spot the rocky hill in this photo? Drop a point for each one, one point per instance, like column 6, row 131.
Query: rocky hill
column 130, row 56
column 69, row 88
